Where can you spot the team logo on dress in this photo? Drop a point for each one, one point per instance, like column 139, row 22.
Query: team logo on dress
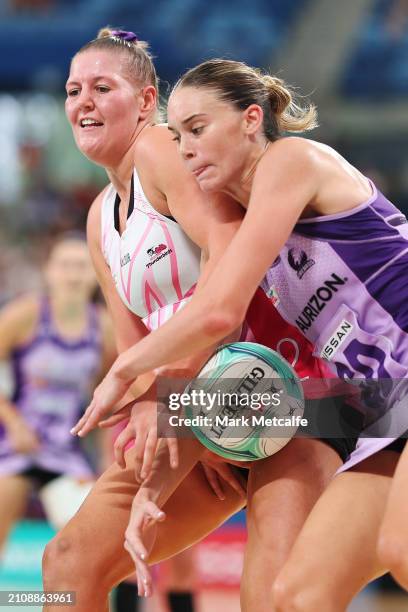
column 299, row 261
column 156, row 253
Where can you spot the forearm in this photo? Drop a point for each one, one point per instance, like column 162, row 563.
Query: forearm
column 191, row 332
column 143, row 389
column 163, row 479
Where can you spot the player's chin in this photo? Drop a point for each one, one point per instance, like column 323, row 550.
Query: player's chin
column 93, row 151
column 209, row 185
column 90, row 145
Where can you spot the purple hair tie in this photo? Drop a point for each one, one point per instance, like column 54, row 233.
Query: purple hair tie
column 124, row 35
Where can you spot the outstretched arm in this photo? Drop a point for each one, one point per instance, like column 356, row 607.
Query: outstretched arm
column 220, row 304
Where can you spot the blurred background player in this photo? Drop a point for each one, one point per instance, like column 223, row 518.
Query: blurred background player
column 58, row 343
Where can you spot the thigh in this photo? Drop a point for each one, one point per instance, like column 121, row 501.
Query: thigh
column 281, row 493
column 14, row 491
column 97, row 530
column 395, row 518
column 339, row 537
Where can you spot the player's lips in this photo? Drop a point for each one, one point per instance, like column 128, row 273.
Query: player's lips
column 89, row 122
column 200, row 170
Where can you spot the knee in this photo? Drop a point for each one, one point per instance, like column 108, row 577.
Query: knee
column 65, row 561
column 290, row 595
column 393, row 554
column 62, row 559
column 286, row 596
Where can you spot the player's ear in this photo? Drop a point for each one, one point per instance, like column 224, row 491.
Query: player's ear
column 253, row 118
column 149, row 99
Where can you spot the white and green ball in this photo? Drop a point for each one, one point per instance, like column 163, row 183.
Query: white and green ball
column 230, row 369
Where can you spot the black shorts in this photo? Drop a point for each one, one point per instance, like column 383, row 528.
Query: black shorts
column 40, row 476
column 343, row 446
column 335, row 422
column 397, row 446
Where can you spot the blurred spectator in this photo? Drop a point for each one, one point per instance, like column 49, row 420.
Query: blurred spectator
column 31, row 6
column 397, row 18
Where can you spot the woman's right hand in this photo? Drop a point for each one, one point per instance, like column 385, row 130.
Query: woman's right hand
column 142, row 429
column 22, row 438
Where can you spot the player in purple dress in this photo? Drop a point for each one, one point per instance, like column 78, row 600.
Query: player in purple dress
column 58, row 343
column 333, row 252
column 111, row 106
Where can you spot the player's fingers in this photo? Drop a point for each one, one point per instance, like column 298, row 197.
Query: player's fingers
column 172, row 445
column 214, row 482
column 116, row 418
column 121, row 442
column 144, row 583
column 93, row 419
column 139, row 448
column 149, row 454
column 78, row 426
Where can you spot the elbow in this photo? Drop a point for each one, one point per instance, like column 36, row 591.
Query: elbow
column 221, row 322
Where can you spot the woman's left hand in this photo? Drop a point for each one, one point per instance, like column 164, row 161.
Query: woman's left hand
column 140, row 536
column 106, row 396
column 219, row 471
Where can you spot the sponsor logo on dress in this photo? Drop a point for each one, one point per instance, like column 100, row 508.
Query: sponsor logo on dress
column 124, row 260
column 273, row 296
column 319, row 300
column 336, row 339
column 299, row 261
column 156, row 253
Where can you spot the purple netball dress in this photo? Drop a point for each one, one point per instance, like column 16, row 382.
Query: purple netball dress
column 342, row 281
column 53, row 381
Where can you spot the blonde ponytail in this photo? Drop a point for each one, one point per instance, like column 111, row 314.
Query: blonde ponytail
column 241, row 85
column 290, row 115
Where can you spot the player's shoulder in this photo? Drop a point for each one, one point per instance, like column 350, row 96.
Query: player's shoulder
column 94, row 216
column 293, row 146
column 155, row 143
column 23, row 306
column 95, row 208
column 290, row 157
column 20, row 316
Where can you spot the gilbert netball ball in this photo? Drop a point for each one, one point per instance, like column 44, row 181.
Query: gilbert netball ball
column 246, row 403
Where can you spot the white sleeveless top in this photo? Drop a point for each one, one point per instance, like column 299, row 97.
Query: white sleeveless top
column 155, row 266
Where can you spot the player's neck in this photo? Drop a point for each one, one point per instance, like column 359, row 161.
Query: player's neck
column 120, row 173
column 69, row 307
column 240, row 188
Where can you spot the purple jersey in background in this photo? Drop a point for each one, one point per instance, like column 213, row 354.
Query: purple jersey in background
column 54, row 378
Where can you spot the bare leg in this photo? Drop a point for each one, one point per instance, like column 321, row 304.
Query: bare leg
column 88, row 557
column 180, row 580
column 393, row 539
column 335, row 553
column 14, row 492
column 282, row 491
